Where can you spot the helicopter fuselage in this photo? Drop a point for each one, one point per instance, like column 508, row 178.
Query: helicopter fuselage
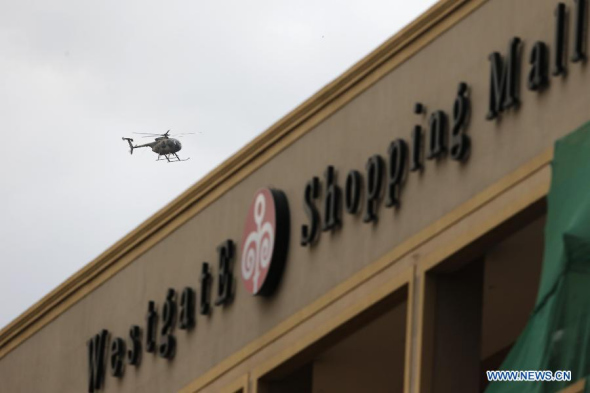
column 164, row 146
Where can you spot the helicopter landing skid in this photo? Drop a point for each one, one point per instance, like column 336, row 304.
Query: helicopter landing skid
column 171, row 158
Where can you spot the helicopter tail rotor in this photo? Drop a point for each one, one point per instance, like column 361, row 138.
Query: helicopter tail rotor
column 129, row 140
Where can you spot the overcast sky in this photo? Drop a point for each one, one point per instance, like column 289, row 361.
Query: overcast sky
column 76, row 76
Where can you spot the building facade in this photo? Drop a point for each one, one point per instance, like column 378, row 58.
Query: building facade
column 385, row 236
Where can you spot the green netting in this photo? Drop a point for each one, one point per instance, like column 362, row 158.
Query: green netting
column 557, row 336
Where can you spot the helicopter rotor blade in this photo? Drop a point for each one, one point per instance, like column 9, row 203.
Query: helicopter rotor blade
column 166, row 134
column 147, row 133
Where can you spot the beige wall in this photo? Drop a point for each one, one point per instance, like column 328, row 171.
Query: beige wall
column 54, row 359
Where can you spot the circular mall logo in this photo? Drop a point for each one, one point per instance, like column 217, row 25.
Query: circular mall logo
column 265, row 241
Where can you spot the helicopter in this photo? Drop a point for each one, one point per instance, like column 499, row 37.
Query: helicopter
column 164, row 145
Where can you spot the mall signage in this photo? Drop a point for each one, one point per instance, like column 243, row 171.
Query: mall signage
column 264, row 248
column 265, row 239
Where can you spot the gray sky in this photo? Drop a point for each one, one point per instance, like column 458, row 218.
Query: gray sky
column 76, row 76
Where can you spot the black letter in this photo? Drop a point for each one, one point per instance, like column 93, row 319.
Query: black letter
column 504, row 80
column 460, row 142
column 374, row 185
column 580, row 34
column 117, row 357
column 417, row 142
column 539, row 75
column 309, row 233
column 205, row 289
column 152, row 323
column 439, row 124
column 226, row 277
column 353, row 192
column 168, row 344
column 134, row 354
column 396, row 171
column 96, row 361
column 187, row 309
column 560, row 40
column 332, row 201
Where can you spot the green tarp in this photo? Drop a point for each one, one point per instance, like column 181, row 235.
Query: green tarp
column 557, row 336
